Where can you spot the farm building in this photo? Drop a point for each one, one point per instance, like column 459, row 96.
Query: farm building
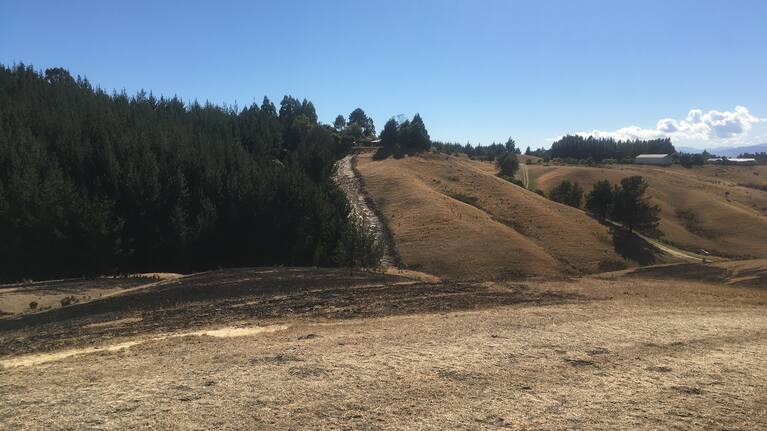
column 653, row 159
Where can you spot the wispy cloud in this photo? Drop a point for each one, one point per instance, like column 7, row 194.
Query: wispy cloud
column 721, row 127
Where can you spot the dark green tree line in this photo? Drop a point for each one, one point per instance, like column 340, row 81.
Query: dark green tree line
column 94, row 183
column 598, row 149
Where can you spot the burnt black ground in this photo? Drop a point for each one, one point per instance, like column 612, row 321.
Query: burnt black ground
column 261, row 294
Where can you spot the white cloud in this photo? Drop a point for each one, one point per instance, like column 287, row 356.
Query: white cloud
column 721, row 127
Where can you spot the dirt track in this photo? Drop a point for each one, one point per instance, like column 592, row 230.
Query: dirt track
column 372, row 351
column 525, row 175
column 348, row 180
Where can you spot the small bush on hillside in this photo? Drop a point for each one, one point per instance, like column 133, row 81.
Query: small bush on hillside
column 568, row 193
column 691, row 221
column 470, row 200
column 360, row 246
column 69, row 300
column 611, row 265
column 513, row 180
column 507, row 164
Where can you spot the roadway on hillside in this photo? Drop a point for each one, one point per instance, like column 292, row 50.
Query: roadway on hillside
column 670, row 250
column 525, row 176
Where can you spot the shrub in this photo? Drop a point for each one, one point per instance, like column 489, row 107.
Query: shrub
column 470, row 200
column 507, row 164
column 568, row 193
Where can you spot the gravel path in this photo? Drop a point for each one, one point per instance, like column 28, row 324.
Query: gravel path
column 347, row 179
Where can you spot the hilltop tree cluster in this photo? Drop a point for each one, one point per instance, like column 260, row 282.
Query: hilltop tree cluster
column 358, row 126
column 480, row 152
column 599, row 149
column 94, row 183
column 398, row 139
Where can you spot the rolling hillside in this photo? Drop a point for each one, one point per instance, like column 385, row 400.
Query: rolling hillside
column 452, row 218
column 722, row 209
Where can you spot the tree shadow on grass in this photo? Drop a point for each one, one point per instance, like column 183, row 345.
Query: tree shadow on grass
column 632, row 247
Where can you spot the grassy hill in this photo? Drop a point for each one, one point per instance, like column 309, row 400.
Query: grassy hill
column 453, row 217
column 722, row 209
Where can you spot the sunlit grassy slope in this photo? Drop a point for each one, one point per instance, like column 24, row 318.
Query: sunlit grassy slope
column 455, row 218
column 717, row 208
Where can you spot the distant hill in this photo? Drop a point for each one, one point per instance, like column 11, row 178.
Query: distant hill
column 727, row 151
column 720, row 209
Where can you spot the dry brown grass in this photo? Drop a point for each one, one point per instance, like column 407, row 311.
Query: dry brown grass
column 25, row 298
column 731, row 219
column 623, row 353
column 452, row 217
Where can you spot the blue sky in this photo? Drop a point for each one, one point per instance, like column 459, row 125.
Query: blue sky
column 477, row 71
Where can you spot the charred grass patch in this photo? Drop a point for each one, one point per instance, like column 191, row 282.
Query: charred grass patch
column 258, row 294
column 684, row 271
